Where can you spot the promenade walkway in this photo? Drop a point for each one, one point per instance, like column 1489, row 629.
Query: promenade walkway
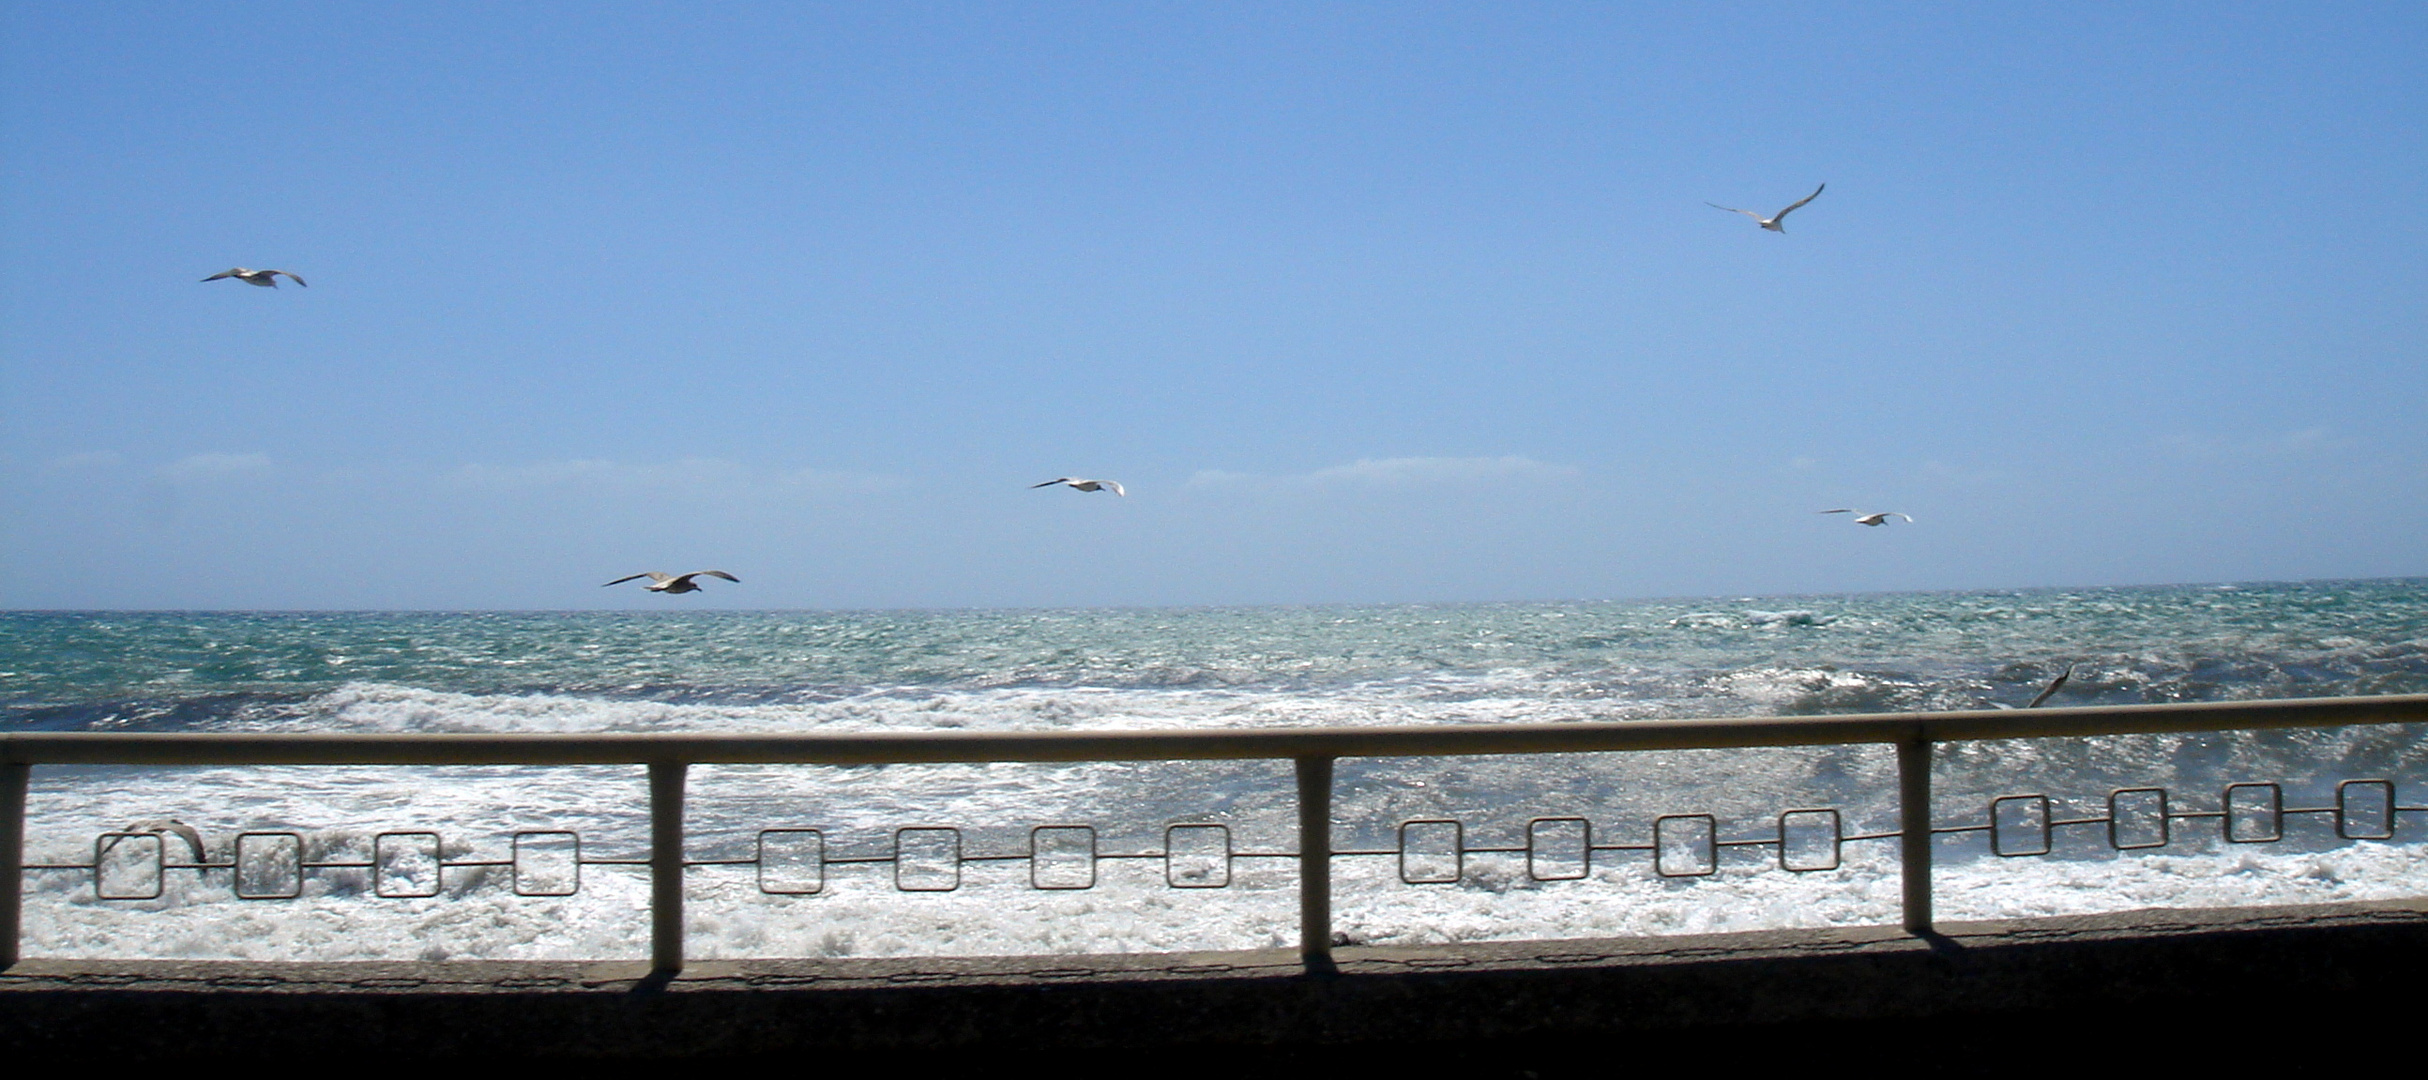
column 1549, row 1007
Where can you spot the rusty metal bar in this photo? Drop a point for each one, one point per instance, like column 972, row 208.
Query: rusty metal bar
column 13, row 777
column 666, row 867
column 1315, row 864
column 153, row 748
column 1914, row 821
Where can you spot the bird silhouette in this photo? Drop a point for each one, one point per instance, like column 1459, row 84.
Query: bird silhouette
column 267, row 279
column 1772, row 222
column 168, row 827
column 1085, row 485
column 1874, row 520
column 674, row 583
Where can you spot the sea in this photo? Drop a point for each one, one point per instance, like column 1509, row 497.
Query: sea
column 343, row 863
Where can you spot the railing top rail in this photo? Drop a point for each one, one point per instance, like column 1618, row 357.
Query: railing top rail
column 884, row 748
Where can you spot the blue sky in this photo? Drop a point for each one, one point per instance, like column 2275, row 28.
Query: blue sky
column 1387, row 302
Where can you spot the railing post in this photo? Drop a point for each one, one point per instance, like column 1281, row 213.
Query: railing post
column 666, row 867
column 13, row 777
column 1315, row 864
column 1914, row 816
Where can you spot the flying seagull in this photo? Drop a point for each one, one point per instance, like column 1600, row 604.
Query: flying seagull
column 1874, row 520
column 675, row 583
column 1772, row 222
column 170, row 826
column 2054, row 686
column 1085, row 485
column 267, row 279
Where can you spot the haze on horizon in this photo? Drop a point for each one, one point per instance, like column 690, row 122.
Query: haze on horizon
column 1362, row 302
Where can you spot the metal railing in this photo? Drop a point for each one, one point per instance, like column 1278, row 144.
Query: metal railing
column 668, row 758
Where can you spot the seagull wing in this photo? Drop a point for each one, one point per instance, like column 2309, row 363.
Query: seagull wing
column 1734, row 210
column 1909, row 518
column 1056, row 480
column 293, row 278
column 1840, row 510
column 1782, row 214
column 622, row 580
column 191, row 836
column 1116, row 486
column 716, row 574
column 183, row 831
column 225, row 273
column 2055, row 685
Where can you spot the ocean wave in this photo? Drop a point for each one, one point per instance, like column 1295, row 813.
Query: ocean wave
column 1132, row 911
column 1040, row 671
column 1484, row 699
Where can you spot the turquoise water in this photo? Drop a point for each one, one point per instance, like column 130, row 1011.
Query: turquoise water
column 1411, row 663
column 1117, row 669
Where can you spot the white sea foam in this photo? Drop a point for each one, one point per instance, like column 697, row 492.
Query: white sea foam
column 339, row 810
column 1479, row 697
column 1133, row 670
column 1132, row 910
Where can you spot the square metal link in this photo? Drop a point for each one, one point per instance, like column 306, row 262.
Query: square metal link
column 128, row 865
column 927, row 858
column 1197, row 856
column 2255, row 813
column 547, row 862
column 1810, row 840
column 2137, row 819
column 269, row 866
column 792, row 862
column 405, row 865
column 2364, row 809
column 1062, row 857
column 1688, row 842
column 1432, row 851
column 2019, row 825
column 1559, row 848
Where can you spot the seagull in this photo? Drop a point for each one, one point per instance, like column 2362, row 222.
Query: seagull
column 267, row 279
column 1772, row 222
column 1874, row 520
column 1085, row 485
column 192, row 838
column 2055, row 685
column 675, row 583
